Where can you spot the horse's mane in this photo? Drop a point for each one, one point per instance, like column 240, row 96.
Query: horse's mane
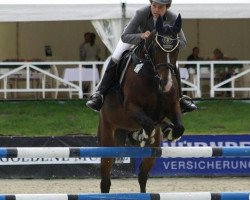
column 149, row 40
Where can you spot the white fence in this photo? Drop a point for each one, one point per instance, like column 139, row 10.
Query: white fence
column 211, row 71
column 55, row 77
column 42, row 77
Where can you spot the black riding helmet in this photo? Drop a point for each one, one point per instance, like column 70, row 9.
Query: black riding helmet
column 163, row 2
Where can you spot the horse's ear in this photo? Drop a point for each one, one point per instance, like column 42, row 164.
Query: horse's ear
column 177, row 24
column 159, row 25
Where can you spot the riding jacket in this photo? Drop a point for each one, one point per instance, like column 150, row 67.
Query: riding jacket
column 143, row 21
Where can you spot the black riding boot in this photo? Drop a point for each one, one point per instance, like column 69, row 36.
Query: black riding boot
column 96, row 100
column 186, row 103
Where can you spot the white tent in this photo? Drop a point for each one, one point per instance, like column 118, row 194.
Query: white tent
column 110, row 9
column 203, row 25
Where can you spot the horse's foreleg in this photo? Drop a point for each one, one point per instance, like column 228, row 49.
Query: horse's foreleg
column 106, row 138
column 177, row 128
column 145, row 167
column 148, row 130
column 106, row 165
column 147, row 124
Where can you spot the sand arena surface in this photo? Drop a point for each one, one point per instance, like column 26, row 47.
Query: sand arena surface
column 155, row 185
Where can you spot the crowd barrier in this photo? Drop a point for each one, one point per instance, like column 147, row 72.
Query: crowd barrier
column 133, row 152
column 134, row 196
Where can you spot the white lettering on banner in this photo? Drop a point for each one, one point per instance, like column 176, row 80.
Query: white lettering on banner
column 205, row 165
column 244, row 144
column 204, row 144
column 226, row 164
column 231, row 144
column 50, row 161
column 210, row 165
column 182, row 165
column 202, row 165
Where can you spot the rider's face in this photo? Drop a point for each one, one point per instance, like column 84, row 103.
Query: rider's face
column 158, row 9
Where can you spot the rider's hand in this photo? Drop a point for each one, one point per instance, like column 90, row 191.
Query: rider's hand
column 145, row 35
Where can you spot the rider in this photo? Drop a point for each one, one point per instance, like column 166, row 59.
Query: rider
column 138, row 29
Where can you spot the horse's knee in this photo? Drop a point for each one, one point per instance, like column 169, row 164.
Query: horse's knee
column 148, row 125
column 105, row 185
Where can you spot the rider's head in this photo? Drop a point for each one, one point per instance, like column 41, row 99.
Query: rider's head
column 159, row 7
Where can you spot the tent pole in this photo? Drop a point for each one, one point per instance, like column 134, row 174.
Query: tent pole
column 198, row 32
column 123, row 15
column 17, row 40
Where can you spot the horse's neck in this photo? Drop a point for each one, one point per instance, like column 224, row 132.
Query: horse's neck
column 139, row 52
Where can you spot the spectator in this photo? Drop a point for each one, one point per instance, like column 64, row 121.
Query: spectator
column 218, row 55
column 89, row 51
column 193, row 57
column 223, row 72
column 195, row 54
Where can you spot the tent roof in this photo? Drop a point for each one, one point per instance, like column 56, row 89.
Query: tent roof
column 76, row 10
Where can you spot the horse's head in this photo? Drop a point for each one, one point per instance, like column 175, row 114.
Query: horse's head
column 163, row 43
column 162, row 47
column 167, row 36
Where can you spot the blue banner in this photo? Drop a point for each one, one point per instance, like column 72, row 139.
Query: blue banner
column 203, row 166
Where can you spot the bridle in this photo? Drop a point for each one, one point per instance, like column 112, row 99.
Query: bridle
column 168, row 42
column 149, row 55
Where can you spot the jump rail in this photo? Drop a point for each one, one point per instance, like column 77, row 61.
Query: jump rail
column 134, row 196
column 133, row 152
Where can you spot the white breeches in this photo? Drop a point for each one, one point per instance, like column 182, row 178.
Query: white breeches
column 120, row 48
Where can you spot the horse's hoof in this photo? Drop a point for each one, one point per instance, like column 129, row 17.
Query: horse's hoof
column 167, row 132
column 138, row 136
column 144, row 135
column 135, row 136
column 143, row 143
column 177, row 139
column 170, row 136
column 153, row 133
column 152, row 140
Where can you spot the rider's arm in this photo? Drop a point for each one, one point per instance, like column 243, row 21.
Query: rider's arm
column 132, row 33
column 182, row 38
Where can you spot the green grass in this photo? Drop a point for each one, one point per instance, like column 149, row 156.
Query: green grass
column 219, row 117
column 56, row 118
column 39, row 118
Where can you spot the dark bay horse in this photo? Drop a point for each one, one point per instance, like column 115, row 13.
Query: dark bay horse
column 150, row 94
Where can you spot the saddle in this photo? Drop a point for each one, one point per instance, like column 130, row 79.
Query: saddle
column 133, row 56
column 138, row 62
